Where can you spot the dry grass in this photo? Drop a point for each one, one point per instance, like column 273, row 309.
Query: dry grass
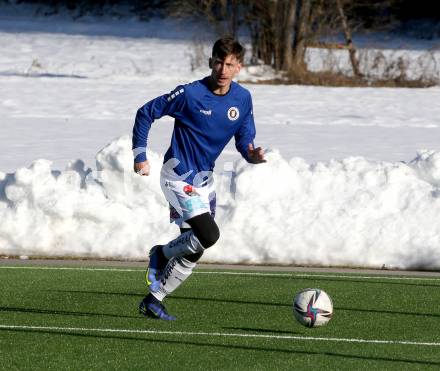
column 339, row 80
column 394, row 69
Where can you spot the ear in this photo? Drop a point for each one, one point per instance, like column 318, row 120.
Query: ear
column 210, row 62
column 239, row 65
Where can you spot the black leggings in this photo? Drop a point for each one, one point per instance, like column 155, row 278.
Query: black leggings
column 205, row 229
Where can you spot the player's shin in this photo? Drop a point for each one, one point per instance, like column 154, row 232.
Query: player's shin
column 187, row 243
column 176, row 272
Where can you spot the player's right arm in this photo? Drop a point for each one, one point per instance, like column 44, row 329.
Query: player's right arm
column 167, row 104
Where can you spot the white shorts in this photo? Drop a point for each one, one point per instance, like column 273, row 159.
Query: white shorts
column 186, row 200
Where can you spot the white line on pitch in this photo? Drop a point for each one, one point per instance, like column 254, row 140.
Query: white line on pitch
column 218, row 334
column 308, row 275
column 228, row 273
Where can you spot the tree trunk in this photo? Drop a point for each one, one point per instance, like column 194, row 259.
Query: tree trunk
column 287, row 42
column 271, row 23
column 348, row 40
column 283, row 26
column 278, row 32
column 303, row 8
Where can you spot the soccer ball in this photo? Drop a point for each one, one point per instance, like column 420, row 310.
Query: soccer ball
column 312, row 307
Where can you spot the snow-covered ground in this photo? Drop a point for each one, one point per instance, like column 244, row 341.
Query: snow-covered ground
column 353, row 176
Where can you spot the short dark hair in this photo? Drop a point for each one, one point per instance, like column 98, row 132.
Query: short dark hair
column 226, row 46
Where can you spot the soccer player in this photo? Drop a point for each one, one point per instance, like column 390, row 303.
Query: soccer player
column 207, row 113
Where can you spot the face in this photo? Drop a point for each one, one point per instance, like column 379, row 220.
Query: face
column 224, row 70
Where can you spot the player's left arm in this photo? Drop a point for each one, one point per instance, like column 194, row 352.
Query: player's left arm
column 255, row 155
column 244, row 139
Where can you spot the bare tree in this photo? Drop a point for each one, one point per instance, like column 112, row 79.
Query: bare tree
column 270, row 22
column 348, row 39
column 280, row 29
column 288, row 27
column 303, row 10
column 271, row 25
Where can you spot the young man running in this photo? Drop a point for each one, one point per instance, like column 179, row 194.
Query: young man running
column 207, row 113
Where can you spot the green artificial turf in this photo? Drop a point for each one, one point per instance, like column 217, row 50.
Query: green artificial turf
column 88, row 319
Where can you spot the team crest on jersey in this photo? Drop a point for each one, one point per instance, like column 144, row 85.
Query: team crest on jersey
column 233, row 113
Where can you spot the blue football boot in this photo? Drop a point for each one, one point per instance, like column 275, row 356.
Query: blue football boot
column 152, row 308
column 156, row 265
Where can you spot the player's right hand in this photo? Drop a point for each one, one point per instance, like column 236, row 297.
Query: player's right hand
column 142, row 168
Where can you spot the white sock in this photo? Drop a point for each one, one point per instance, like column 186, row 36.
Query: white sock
column 187, row 243
column 176, row 272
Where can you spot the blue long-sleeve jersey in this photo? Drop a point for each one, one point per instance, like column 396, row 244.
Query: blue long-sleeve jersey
column 204, row 124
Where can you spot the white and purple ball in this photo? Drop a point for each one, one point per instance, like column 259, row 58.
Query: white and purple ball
column 312, row 307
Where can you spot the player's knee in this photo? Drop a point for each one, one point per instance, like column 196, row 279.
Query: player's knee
column 209, row 237
column 205, row 229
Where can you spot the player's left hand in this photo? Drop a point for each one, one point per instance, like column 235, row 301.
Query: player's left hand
column 256, row 155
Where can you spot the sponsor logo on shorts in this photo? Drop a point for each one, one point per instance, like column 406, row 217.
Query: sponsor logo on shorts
column 233, row 113
column 189, row 190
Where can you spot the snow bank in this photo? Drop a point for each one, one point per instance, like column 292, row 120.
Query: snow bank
column 353, row 212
